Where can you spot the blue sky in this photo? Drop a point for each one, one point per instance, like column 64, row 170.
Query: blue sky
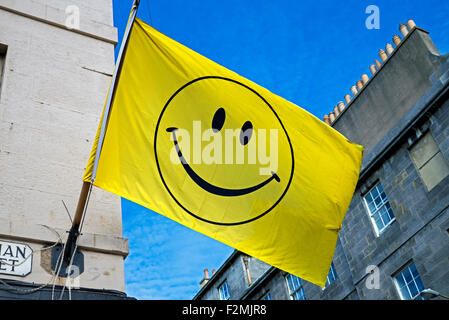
column 309, row 52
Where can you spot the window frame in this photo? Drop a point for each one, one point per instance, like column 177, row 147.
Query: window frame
column 398, row 287
column 224, row 284
column 298, row 290
column 378, row 231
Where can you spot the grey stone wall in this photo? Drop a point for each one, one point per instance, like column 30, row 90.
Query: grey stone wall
column 419, row 232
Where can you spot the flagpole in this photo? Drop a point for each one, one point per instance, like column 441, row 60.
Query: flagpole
column 87, row 186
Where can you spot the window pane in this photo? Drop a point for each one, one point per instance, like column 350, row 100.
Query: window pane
column 413, row 270
column 385, row 215
column 375, row 192
column 405, row 293
column 409, row 282
column 301, row 294
column 377, row 201
column 390, row 211
column 295, row 287
column 224, row 291
column 413, row 289
column 298, row 282
column 290, row 283
column 419, row 283
column 378, row 221
column 332, row 274
column 400, row 281
column 407, row 275
column 369, row 198
column 372, row 207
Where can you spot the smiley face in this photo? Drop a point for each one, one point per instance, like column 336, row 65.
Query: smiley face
column 244, row 137
column 224, row 192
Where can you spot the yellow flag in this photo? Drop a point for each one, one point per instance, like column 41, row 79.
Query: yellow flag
column 218, row 153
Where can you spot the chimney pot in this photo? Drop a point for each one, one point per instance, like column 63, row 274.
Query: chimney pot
column 348, row 98
column 396, row 40
column 365, row 78
column 354, row 90
column 383, row 56
column 373, row 69
column 205, row 279
column 359, row 84
column 378, row 64
column 403, row 29
column 331, row 117
column 326, row 119
column 389, row 48
column 341, row 106
column 411, row 24
column 213, row 271
column 336, row 111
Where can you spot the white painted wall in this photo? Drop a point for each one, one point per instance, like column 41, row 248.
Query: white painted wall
column 54, row 86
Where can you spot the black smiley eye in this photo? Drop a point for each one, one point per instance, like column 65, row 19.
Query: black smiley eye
column 246, row 133
column 218, row 120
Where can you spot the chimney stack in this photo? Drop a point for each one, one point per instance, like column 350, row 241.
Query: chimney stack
column 384, row 55
column 205, row 279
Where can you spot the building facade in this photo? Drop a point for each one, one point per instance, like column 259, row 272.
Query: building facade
column 394, row 240
column 56, row 63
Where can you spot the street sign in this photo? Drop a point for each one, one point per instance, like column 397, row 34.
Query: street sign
column 15, row 258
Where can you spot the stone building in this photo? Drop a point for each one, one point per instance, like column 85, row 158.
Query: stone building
column 394, row 240
column 54, row 77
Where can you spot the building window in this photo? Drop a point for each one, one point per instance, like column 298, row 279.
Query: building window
column 379, row 208
column 430, row 162
column 409, row 283
column 266, row 296
column 331, row 276
column 295, row 287
column 223, row 291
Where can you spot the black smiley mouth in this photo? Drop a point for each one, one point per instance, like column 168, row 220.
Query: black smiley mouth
column 210, row 187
